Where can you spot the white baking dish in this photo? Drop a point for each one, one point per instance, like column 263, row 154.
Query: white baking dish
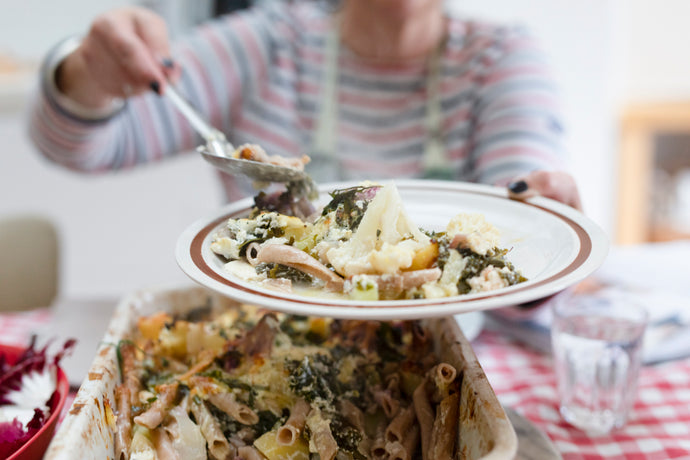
column 87, row 431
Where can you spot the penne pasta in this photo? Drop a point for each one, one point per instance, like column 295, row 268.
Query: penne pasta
column 442, row 375
column 387, row 402
column 159, row 409
column 250, row 453
column 401, row 425
column 378, row 445
column 131, row 372
column 292, row 429
column 352, row 414
column 321, row 435
column 425, row 415
column 281, row 387
column 444, row 431
column 219, row 447
column 163, row 444
column 404, row 449
column 229, row 404
column 123, row 424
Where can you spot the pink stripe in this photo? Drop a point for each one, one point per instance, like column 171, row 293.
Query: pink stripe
column 457, row 85
column 285, row 63
column 398, row 136
column 533, row 99
column 225, row 61
column 510, row 123
column 362, row 100
column 229, row 70
column 313, row 55
column 305, row 87
column 254, row 51
column 523, row 71
column 373, row 167
column 207, row 89
column 357, row 65
column 153, row 145
column 461, row 115
column 459, row 153
column 63, row 123
column 263, row 132
column 49, row 132
column 465, row 53
column 495, row 155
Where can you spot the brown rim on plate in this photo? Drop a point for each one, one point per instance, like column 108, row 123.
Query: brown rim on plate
column 196, row 256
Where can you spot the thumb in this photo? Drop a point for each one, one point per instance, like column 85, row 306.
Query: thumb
column 556, row 185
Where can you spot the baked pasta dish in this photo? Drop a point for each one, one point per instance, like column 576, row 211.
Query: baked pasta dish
column 249, row 385
column 363, row 246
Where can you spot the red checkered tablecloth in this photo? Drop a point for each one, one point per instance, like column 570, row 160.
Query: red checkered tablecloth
column 659, row 427
column 523, row 379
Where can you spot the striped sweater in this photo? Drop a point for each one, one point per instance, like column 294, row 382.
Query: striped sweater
column 257, row 75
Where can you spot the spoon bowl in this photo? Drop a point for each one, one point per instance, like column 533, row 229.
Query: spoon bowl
column 218, row 151
column 263, row 172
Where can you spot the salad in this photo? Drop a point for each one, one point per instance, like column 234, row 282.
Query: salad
column 28, row 394
column 363, row 246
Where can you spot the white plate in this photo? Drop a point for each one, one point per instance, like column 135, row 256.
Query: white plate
column 553, row 245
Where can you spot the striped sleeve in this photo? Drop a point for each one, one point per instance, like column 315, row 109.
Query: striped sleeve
column 517, row 125
column 220, row 63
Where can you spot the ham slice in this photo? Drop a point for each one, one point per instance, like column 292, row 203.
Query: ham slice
column 297, row 259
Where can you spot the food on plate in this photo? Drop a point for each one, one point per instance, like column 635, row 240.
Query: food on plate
column 255, row 152
column 248, row 384
column 28, row 394
column 364, row 246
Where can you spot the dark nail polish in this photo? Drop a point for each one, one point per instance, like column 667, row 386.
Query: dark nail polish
column 156, row 87
column 517, row 187
column 167, row 62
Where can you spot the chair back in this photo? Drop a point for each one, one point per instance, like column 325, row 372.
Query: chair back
column 29, row 256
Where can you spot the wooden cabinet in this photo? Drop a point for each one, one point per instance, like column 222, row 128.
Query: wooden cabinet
column 648, row 170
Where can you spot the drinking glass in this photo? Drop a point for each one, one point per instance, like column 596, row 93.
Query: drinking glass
column 597, row 348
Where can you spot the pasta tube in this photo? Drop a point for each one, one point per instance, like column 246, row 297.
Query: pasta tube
column 444, row 431
column 291, row 430
column 218, row 446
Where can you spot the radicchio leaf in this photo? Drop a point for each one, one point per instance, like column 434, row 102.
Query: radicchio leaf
column 14, row 434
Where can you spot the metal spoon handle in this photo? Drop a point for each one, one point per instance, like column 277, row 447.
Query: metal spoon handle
column 205, row 130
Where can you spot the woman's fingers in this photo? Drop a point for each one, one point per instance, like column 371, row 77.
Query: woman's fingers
column 121, row 56
column 154, row 32
column 127, row 55
column 557, row 185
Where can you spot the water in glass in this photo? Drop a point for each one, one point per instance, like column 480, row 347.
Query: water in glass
column 597, row 355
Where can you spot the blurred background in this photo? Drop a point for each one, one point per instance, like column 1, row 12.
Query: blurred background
column 625, row 85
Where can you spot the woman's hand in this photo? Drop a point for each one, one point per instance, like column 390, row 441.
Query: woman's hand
column 556, row 185
column 126, row 52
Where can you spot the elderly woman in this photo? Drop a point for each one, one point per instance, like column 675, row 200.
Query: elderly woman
column 372, row 89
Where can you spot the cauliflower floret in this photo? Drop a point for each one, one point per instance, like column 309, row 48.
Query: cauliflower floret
column 481, row 235
column 488, row 280
column 385, row 241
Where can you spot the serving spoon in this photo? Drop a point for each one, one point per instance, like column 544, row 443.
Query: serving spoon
column 218, row 149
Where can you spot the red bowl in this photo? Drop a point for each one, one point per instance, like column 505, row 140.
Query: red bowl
column 36, row 446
